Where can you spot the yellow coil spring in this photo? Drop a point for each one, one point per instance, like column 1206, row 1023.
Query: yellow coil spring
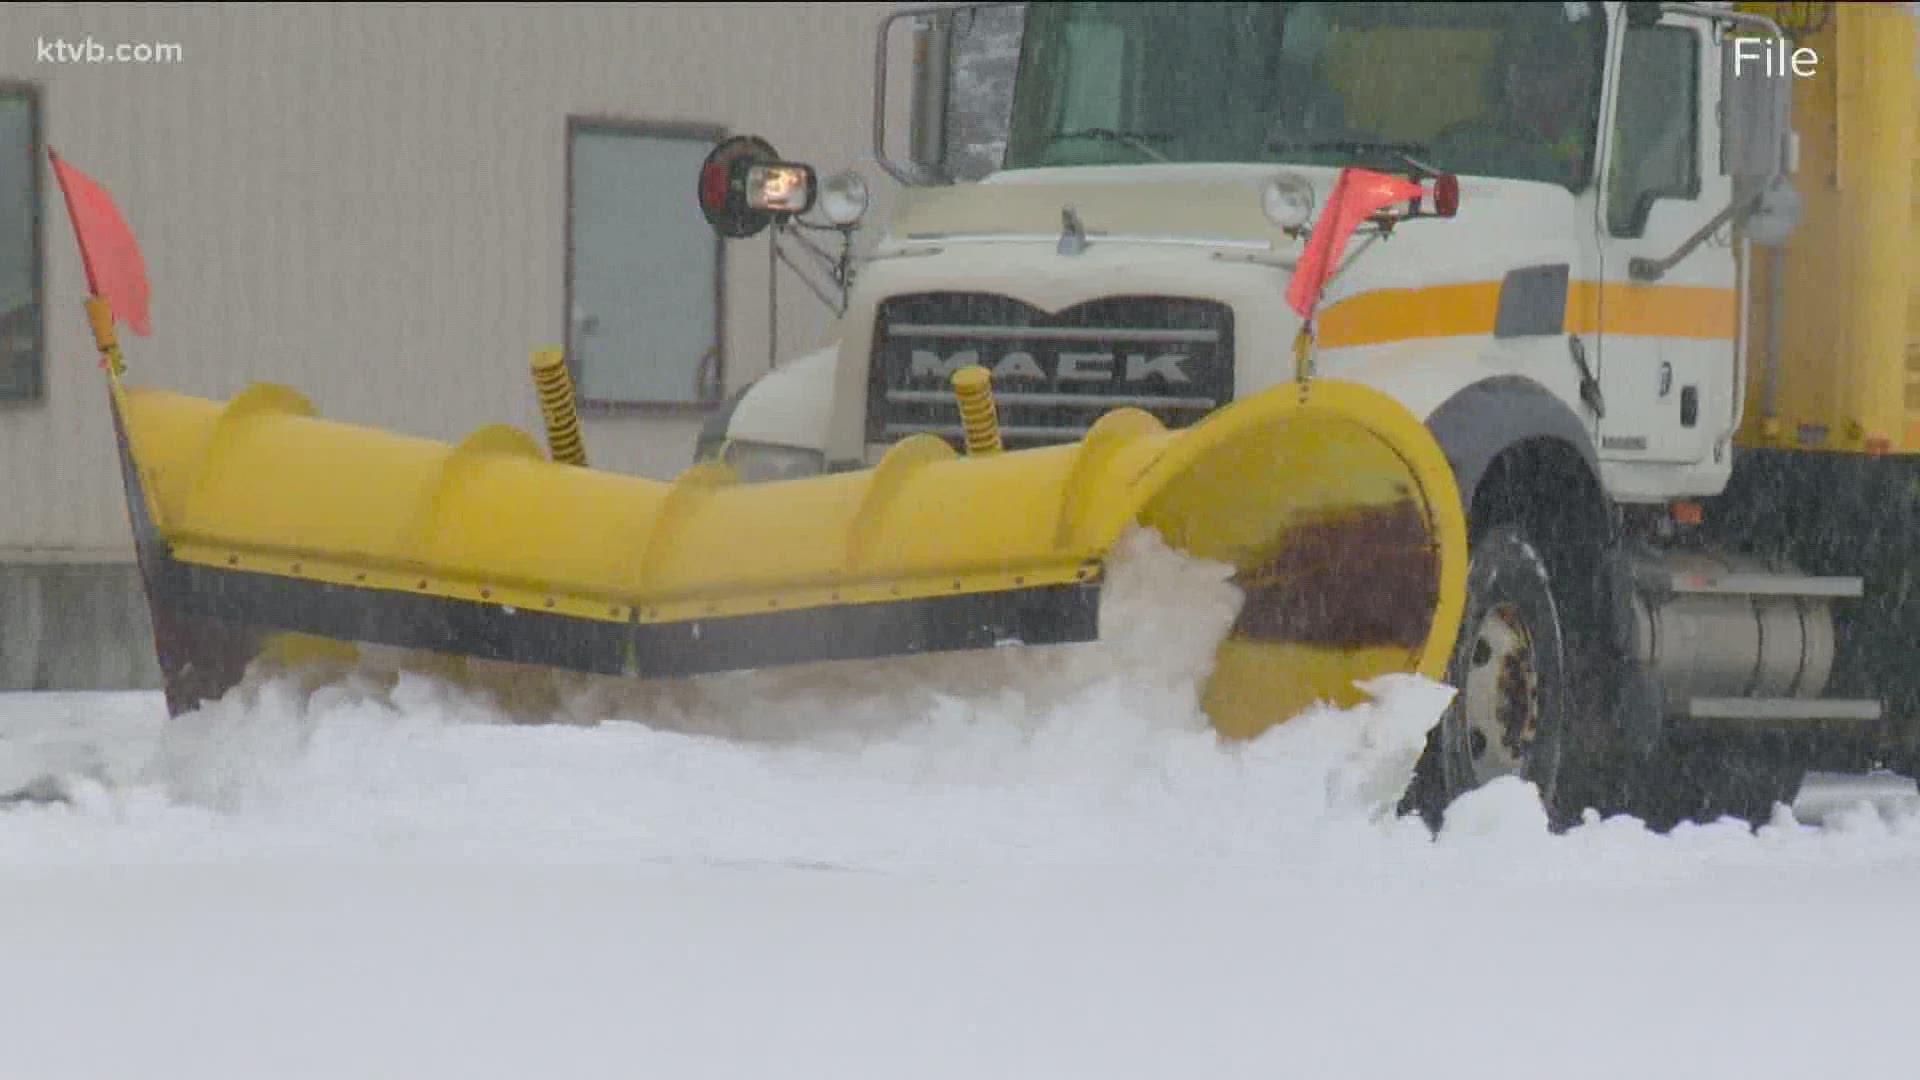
column 555, row 388
column 974, row 387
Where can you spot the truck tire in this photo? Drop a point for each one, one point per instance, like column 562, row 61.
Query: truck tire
column 1514, row 679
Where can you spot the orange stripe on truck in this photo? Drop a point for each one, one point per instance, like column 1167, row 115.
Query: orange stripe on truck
column 1383, row 315
column 1470, row 309
column 1681, row 311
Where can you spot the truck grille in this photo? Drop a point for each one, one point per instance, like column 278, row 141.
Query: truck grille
column 1053, row 375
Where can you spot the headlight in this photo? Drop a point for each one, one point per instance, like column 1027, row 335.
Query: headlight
column 843, row 198
column 1288, row 201
column 758, row 463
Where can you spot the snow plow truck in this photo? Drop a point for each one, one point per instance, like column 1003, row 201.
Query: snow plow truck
column 1608, row 414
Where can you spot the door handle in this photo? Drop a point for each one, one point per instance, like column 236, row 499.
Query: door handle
column 1589, row 386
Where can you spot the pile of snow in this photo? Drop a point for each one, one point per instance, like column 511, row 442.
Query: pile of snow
column 1071, row 755
column 1079, row 755
column 1029, row 863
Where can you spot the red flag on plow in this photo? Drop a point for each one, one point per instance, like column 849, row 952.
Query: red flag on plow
column 1357, row 195
column 116, row 271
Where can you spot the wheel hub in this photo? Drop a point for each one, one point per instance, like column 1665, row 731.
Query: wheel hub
column 1500, row 696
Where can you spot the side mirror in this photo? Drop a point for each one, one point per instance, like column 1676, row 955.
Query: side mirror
column 744, row 187
column 1756, row 135
column 1776, row 216
column 1758, row 149
column 1756, row 101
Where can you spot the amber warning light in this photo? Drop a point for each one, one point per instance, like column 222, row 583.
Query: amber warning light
column 1445, row 195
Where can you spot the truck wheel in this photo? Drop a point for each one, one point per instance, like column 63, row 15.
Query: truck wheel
column 1512, row 675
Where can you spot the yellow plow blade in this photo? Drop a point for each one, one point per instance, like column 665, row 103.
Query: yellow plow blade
column 255, row 519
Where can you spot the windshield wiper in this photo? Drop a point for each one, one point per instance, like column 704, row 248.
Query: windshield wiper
column 1135, row 140
column 1404, row 152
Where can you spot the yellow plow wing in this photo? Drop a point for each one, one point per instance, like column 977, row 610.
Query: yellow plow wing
column 256, row 517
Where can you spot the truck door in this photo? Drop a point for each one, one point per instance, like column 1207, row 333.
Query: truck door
column 1667, row 342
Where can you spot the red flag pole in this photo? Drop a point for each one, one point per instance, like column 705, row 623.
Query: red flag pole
column 99, row 312
column 1311, row 273
column 1357, row 195
column 100, row 318
column 116, row 273
column 60, row 174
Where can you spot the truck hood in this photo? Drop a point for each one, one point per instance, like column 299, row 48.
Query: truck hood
column 1150, row 227
column 1169, row 231
column 1200, row 202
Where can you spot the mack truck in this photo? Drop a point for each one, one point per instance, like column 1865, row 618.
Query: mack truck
column 1567, row 353
column 1666, row 333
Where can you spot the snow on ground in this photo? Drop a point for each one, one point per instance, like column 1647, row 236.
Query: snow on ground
column 1034, row 864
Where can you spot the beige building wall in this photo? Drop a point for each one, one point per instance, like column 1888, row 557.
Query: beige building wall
column 368, row 202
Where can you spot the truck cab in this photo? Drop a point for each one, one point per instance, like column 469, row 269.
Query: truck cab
column 1603, row 327
column 1161, row 166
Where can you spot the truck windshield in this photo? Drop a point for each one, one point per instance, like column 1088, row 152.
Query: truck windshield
column 1505, row 90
